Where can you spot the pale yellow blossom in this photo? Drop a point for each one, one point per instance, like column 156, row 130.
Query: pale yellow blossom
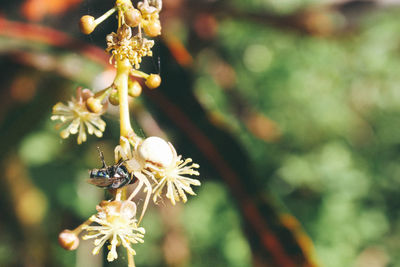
column 116, row 224
column 77, row 118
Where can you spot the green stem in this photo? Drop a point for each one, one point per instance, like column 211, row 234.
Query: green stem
column 103, row 93
column 105, row 16
column 140, row 74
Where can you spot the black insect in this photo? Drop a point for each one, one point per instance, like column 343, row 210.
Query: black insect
column 115, row 176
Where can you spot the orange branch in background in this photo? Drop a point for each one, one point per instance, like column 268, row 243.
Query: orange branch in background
column 49, row 36
column 36, row 10
column 178, row 51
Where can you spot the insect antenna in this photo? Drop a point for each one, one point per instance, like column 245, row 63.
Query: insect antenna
column 102, row 158
column 120, row 162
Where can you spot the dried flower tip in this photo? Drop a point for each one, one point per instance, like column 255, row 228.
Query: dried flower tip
column 87, row 24
column 152, row 28
column 150, row 6
column 68, row 240
column 153, row 81
column 156, row 151
column 94, row 105
column 123, row 46
column 133, row 17
column 134, row 89
column 114, row 97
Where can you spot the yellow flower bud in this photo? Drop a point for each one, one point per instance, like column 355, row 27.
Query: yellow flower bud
column 134, row 89
column 153, row 81
column 114, row 98
column 68, row 240
column 87, row 24
column 133, row 17
column 94, row 105
column 152, row 28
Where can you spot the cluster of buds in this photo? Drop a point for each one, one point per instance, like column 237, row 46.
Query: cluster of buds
column 84, row 111
column 124, row 44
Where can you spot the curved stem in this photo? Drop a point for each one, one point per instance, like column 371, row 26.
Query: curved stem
column 79, row 229
column 105, row 16
column 140, row 74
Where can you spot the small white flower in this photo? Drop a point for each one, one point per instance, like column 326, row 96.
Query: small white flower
column 76, row 115
column 174, row 178
column 117, row 224
column 168, row 169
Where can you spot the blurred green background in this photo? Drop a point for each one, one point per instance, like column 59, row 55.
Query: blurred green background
column 292, row 107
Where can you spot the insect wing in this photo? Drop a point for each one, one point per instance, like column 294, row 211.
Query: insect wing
column 100, row 181
column 112, row 182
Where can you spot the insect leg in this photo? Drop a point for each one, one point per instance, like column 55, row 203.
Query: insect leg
column 142, row 180
column 102, row 158
column 137, row 189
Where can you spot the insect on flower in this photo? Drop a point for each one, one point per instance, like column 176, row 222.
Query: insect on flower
column 115, row 176
column 154, row 159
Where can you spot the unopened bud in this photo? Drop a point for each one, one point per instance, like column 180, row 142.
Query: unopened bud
column 87, row 24
column 114, row 98
column 133, row 17
column 94, row 105
column 152, row 28
column 68, row 240
column 153, row 81
column 134, row 89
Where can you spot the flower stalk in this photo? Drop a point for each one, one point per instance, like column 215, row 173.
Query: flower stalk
column 121, row 83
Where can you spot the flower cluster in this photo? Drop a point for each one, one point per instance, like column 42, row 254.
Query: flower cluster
column 123, row 45
column 83, row 112
column 151, row 164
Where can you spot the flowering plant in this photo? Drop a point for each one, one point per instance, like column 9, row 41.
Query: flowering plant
column 152, row 163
